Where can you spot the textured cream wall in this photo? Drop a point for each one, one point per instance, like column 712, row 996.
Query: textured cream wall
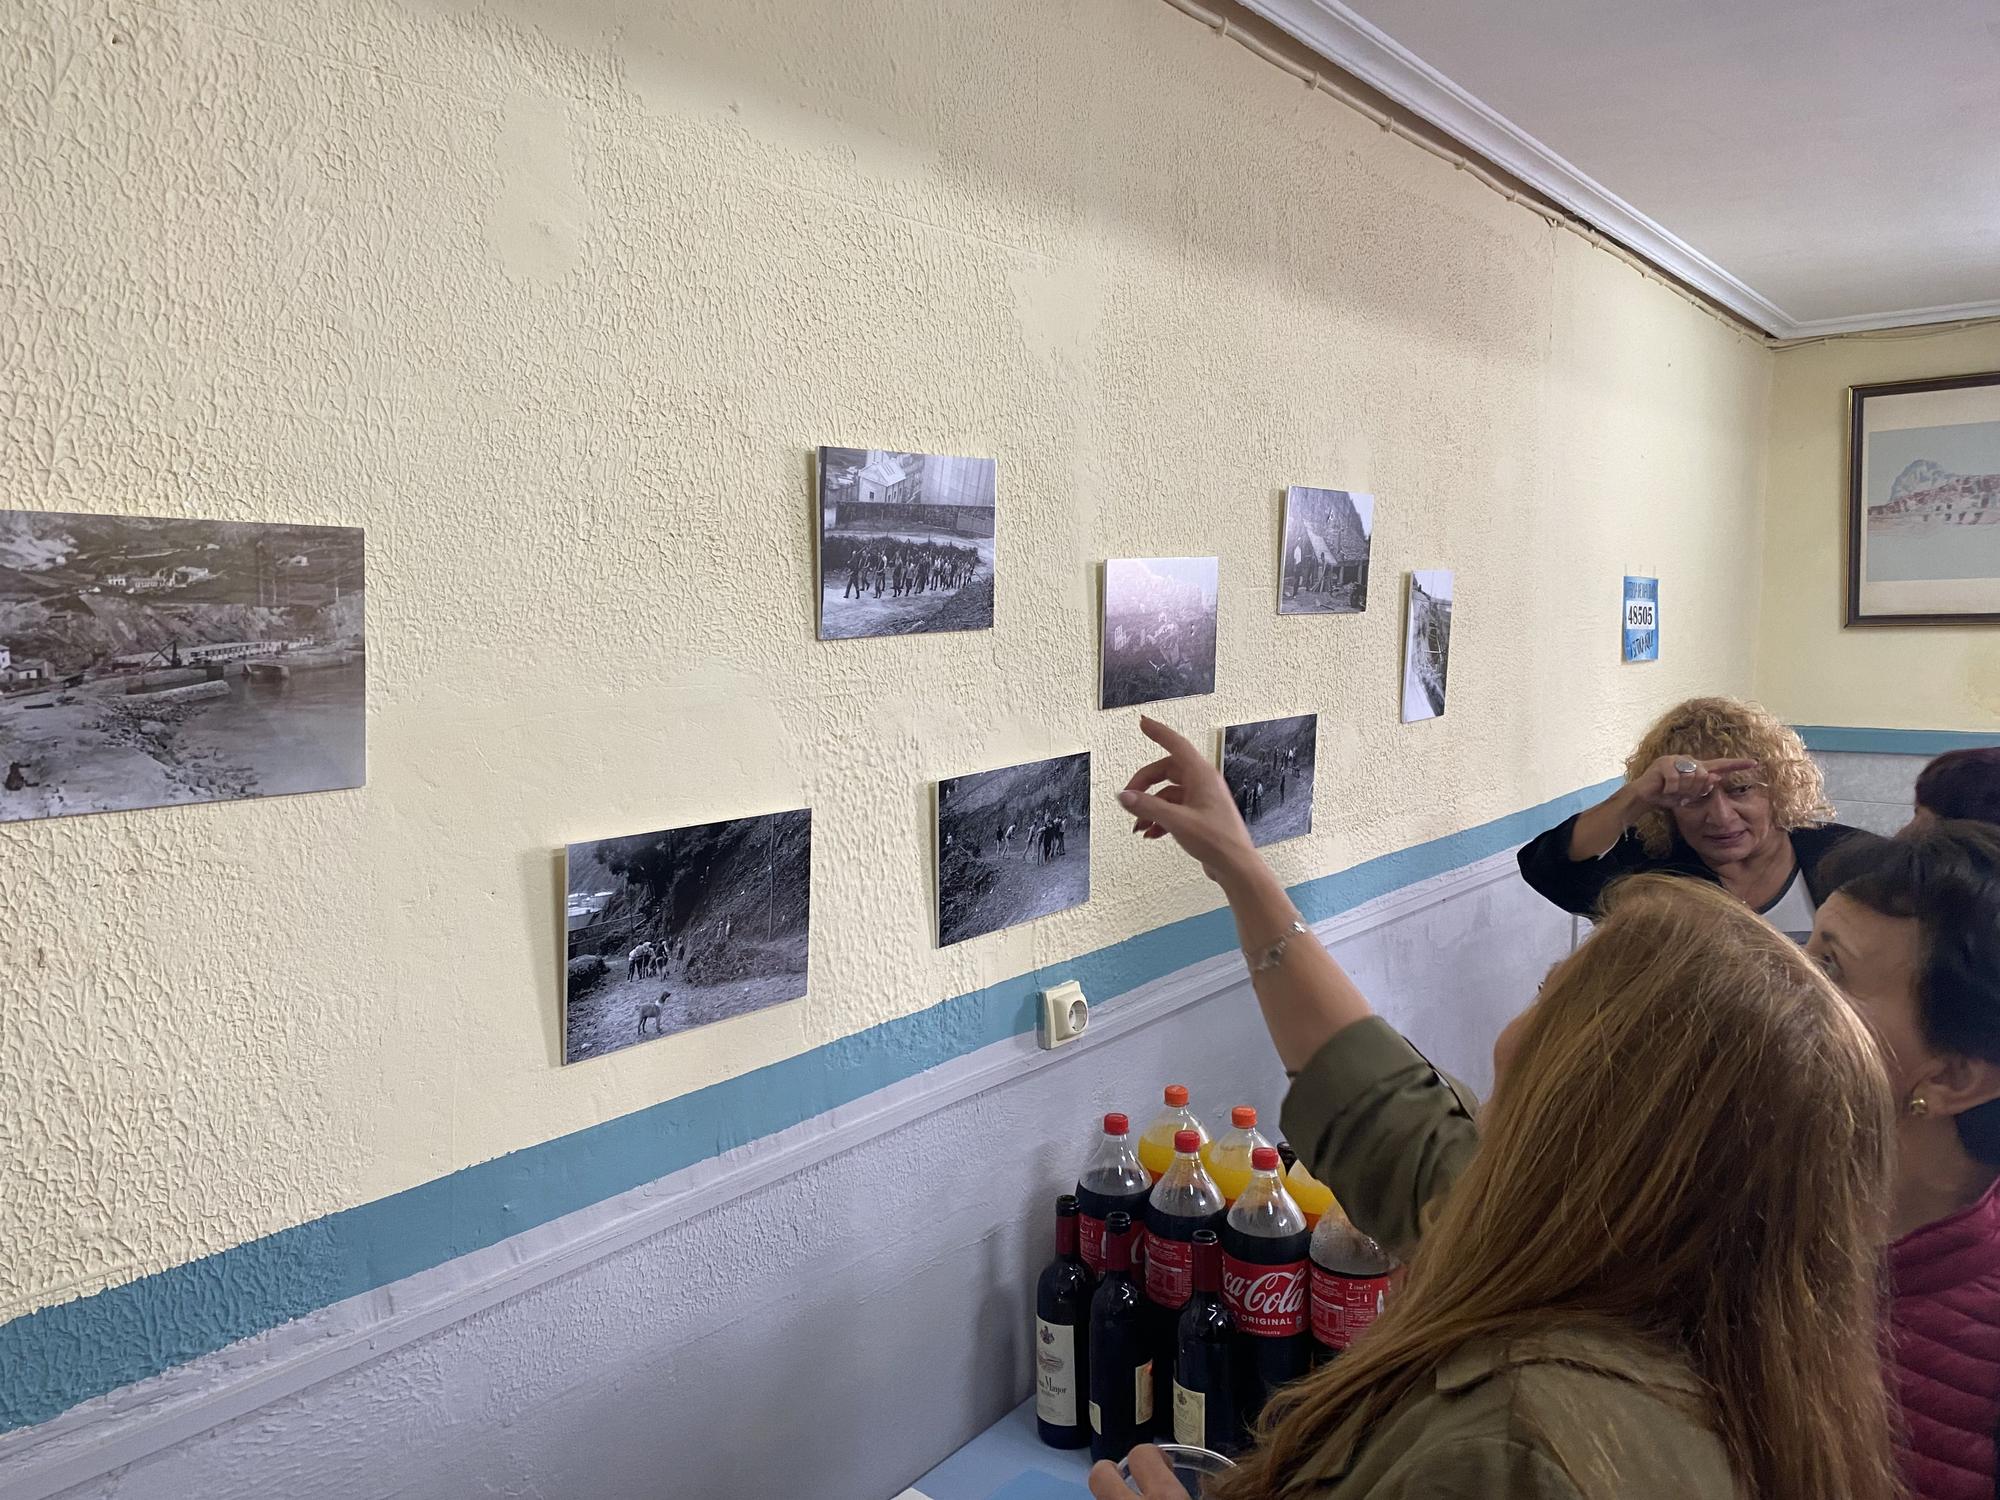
column 555, row 297
column 1808, row 668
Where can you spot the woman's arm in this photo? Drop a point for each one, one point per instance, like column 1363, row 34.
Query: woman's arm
column 1305, row 996
column 1567, row 866
column 1371, row 1117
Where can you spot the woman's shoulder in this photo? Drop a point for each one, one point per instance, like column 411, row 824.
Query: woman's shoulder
column 1593, row 1398
column 1569, row 1411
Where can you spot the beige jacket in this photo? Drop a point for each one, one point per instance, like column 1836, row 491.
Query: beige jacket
column 1567, row 1414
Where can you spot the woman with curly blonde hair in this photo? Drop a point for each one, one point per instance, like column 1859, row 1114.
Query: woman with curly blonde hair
column 1717, row 789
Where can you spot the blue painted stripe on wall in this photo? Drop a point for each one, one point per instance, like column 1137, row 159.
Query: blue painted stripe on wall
column 68, row 1353
column 1925, row 742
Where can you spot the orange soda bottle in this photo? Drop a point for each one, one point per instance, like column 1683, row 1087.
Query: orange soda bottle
column 1228, row 1160
column 1156, row 1146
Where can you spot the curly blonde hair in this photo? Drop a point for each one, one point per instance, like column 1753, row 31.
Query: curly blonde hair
column 1733, row 729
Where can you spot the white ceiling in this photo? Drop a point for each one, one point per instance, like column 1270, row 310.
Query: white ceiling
column 1818, row 166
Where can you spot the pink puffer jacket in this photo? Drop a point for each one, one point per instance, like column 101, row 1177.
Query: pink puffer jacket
column 1946, row 1325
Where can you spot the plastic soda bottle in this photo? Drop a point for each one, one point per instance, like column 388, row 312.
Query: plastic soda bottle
column 1229, row 1158
column 1185, row 1201
column 1350, row 1284
column 1266, row 1250
column 1313, row 1197
column 1156, row 1146
column 1113, row 1182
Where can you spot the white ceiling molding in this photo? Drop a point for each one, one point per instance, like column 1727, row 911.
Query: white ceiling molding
column 1362, row 49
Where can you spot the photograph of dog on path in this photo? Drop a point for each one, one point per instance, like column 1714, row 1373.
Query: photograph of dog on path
column 684, row 927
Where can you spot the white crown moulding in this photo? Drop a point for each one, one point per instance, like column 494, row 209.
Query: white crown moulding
column 1384, row 64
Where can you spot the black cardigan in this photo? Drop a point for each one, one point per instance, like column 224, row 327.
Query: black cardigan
column 1577, row 885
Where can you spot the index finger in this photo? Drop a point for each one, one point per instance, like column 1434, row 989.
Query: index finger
column 1155, row 1475
column 1151, row 775
column 1177, row 746
column 1725, row 767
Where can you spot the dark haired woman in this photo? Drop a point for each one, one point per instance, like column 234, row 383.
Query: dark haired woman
column 1960, row 784
column 1912, row 934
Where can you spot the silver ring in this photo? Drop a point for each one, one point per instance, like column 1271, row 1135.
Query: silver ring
column 1686, row 767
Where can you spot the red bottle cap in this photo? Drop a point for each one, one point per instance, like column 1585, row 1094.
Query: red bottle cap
column 1243, row 1117
column 1177, row 1096
column 1187, row 1142
column 1264, row 1159
column 1115, row 1124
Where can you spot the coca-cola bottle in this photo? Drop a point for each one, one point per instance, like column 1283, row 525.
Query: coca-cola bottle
column 1121, row 1362
column 1207, row 1376
column 1350, row 1283
column 1184, row 1200
column 1264, row 1250
column 1112, row 1183
column 1062, row 1339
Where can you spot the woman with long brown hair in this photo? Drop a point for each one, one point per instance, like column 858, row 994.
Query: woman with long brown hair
column 1650, row 1269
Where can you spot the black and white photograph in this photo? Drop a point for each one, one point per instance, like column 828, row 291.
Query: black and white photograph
column 1327, row 535
column 905, row 542
column 1159, row 629
column 1012, row 845
column 685, row 927
column 1268, row 766
column 147, row 661
column 1427, row 645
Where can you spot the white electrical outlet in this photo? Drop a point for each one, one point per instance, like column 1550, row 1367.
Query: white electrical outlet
column 1064, row 1014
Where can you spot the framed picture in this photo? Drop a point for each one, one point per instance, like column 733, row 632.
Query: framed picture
column 1923, row 502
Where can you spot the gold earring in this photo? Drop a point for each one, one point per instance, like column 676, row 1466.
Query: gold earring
column 1918, row 1106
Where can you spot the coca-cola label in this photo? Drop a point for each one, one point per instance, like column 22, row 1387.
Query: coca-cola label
column 1169, row 1271
column 1090, row 1242
column 1342, row 1306
column 1268, row 1301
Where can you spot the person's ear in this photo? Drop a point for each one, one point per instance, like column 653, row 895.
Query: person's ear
column 1954, row 1084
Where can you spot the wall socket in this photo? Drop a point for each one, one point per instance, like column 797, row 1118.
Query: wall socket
column 1065, row 1013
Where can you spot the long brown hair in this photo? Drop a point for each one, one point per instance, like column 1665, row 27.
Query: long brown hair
column 1693, row 1147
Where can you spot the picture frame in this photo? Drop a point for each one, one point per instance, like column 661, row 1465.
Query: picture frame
column 1923, row 502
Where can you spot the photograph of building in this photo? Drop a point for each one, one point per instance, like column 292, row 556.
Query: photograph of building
column 1327, row 539
column 905, row 542
column 150, row 660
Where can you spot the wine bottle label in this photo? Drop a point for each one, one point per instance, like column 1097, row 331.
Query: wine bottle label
column 1190, row 1416
column 1142, row 1394
column 1096, row 1419
column 1268, row 1301
column 1169, row 1271
column 1055, row 1373
column 1342, row 1306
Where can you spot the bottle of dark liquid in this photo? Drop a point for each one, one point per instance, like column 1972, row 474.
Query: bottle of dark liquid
column 1206, row 1367
column 1121, row 1361
column 1062, row 1339
column 1264, row 1253
column 1184, row 1200
column 1112, row 1182
column 1350, row 1284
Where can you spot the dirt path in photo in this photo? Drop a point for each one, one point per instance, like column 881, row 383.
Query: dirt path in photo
column 608, row 1017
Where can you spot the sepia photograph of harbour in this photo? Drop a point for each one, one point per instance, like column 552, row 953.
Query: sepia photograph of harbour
column 146, row 661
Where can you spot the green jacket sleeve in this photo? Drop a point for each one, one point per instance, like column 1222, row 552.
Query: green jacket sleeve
column 1383, row 1128
column 1475, row 1469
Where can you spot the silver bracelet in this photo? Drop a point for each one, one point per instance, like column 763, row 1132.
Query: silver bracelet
column 1274, row 955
